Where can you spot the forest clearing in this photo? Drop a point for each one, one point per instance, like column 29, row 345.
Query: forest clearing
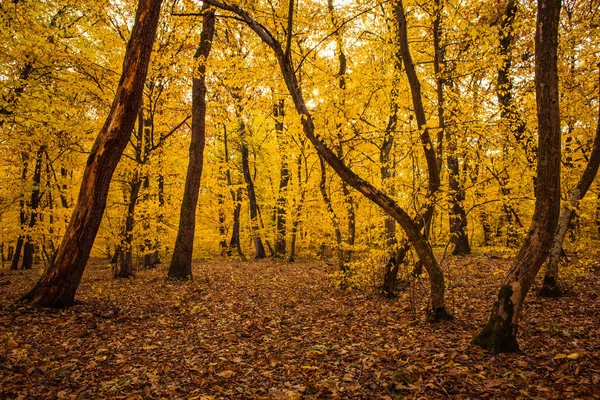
column 299, row 199
column 268, row 329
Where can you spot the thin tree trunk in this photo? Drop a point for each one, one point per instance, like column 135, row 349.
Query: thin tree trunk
column 16, row 257
column 349, row 203
column 550, row 287
column 235, row 231
column 298, row 211
column 181, row 262
column 236, row 198
column 280, row 245
column 335, row 222
column 500, row 333
column 58, row 284
column 125, row 265
column 458, row 217
column 436, row 310
column 28, row 248
column 509, row 116
column 433, row 172
column 254, row 222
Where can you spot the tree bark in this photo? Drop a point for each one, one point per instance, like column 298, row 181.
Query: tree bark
column 550, row 287
column 16, row 256
column 335, row 222
column 125, row 263
column 458, row 217
column 254, row 222
column 436, row 310
column 181, row 262
column 433, row 169
column 280, row 220
column 34, row 203
column 58, row 284
column 500, row 333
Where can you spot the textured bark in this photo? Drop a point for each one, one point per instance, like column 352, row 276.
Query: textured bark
column 437, row 307
column 510, row 118
column 298, row 210
column 181, row 262
column 433, row 171
column 16, row 256
column 457, row 215
column 259, row 248
column 550, row 287
column 34, row 203
column 349, row 203
column 280, row 245
column 500, row 333
column 125, row 262
column 58, row 284
column 335, row 222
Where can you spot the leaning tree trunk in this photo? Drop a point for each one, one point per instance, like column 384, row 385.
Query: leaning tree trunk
column 433, row 168
column 58, row 284
column 436, row 310
column 500, row 333
column 181, row 263
column 550, row 287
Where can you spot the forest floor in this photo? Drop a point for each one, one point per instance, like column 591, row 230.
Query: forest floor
column 271, row 330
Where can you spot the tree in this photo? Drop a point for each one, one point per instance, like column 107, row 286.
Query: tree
column 550, row 287
column 181, row 262
column 500, row 333
column 58, row 285
column 436, row 310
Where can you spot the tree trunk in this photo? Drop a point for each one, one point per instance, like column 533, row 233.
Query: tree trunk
column 222, row 229
column 433, row 169
column 14, row 265
column 298, row 211
column 437, row 310
column 235, row 242
column 33, row 205
column 280, row 248
column 335, row 222
column 125, row 265
column 349, row 203
column 550, row 287
column 254, row 222
column 458, row 218
column 500, row 333
column 509, row 116
column 181, row 262
column 58, row 284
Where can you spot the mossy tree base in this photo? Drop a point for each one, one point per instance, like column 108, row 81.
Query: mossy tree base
column 550, row 288
column 497, row 339
column 439, row 314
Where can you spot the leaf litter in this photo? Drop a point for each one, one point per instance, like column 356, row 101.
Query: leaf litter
column 271, row 330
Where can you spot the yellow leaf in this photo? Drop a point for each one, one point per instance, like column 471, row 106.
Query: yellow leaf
column 573, row 356
column 559, row 356
column 226, row 374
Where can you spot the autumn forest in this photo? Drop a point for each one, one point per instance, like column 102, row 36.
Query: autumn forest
column 299, row 199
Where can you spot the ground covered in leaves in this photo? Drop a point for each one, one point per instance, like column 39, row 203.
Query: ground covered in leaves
column 271, row 330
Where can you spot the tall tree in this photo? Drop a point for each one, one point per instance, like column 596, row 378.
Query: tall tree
column 436, row 310
column 550, row 287
column 58, row 285
column 181, row 262
column 500, row 332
